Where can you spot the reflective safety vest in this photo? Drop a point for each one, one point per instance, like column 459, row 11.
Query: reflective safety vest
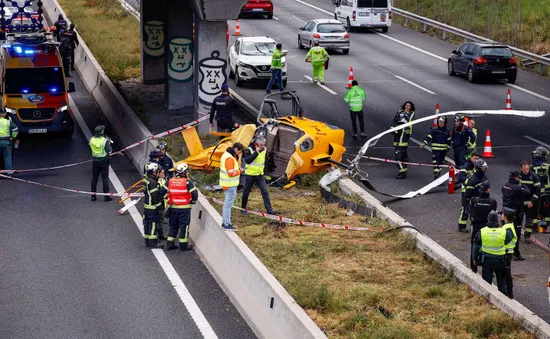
column 97, row 144
column 277, row 60
column 178, row 195
column 354, row 97
column 510, row 246
column 492, row 240
column 472, row 145
column 225, row 179
column 317, row 54
column 5, row 125
column 257, row 166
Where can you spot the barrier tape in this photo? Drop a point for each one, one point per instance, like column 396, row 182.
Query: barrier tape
column 299, row 222
column 403, row 162
column 156, row 136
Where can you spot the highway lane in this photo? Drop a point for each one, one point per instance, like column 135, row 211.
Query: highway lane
column 377, row 61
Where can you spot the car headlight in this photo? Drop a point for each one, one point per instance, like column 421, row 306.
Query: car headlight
column 10, row 110
column 63, row 108
column 242, row 64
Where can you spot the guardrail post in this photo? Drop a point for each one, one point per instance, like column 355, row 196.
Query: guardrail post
column 406, row 21
column 424, row 27
column 444, row 35
column 542, row 69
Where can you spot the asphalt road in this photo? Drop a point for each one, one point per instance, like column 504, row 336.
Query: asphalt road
column 406, row 65
column 72, row 268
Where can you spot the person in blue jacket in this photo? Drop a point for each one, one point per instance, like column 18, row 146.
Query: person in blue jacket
column 462, row 138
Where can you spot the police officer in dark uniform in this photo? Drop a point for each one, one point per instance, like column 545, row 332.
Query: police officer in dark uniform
column 466, row 170
column 401, row 137
column 481, row 206
column 60, row 24
column 155, row 193
column 462, row 138
column 531, row 180
column 440, row 138
column 514, row 195
column 165, row 161
column 471, row 189
column 65, row 50
column 541, row 169
column 73, row 42
column 222, row 109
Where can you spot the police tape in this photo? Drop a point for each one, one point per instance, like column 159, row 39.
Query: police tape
column 72, row 190
column 403, row 162
column 299, row 222
column 156, row 136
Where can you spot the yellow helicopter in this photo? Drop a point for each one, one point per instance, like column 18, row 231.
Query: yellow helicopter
column 295, row 144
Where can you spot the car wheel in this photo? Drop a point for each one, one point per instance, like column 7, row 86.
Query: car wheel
column 300, row 46
column 284, row 83
column 310, row 44
column 384, row 29
column 238, row 80
column 471, row 75
column 68, row 133
column 512, row 78
column 345, row 51
column 348, row 25
column 335, row 16
column 270, row 16
column 450, row 68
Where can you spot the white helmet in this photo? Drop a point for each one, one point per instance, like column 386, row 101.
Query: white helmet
column 182, row 168
column 152, row 168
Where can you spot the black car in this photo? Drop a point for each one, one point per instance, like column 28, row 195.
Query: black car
column 483, row 60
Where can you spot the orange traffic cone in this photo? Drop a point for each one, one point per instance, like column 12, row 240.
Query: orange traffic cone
column 434, row 125
column 350, row 77
column 508, row 102
column 466, row 121
column 237, row 29
column 487, row 149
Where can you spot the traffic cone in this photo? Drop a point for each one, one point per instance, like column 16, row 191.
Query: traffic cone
column 466, row 121
column 508, row 102
column 350, row 77
column 487, row 149
column 237, row 29
column 434, row 125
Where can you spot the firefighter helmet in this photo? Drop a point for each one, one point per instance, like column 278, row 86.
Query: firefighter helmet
column 152, row 168
column 480, row 165
column 442, row 118
column 540, row 152
column 459, row 117
column 182, row 168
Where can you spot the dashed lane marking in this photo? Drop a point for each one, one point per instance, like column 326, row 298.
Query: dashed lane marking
column 537, row 141
column 322, row 86
column 415, row 85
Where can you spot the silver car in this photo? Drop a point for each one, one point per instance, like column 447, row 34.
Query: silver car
column 330, row 33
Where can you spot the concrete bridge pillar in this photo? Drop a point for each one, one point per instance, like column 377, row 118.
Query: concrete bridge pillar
column 153, row 25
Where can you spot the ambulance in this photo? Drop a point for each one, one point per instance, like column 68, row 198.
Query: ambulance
column 33, row 86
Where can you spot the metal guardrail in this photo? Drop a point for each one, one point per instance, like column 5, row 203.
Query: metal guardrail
column 543, row 60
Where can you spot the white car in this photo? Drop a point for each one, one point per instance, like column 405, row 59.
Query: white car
column 250, row 59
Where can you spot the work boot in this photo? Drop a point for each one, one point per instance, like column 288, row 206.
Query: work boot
column 108, row 198
column 171, row 246
column 229, row 228
column 267, row 91
column 94, row 197
column 243, row 212
column 363, row 135
column 73, row 69
column 157, row 245
column 463, row 230
column 528, row 238
column 354, row 136
column 322, row 82
column 184, row 246
column 401, row 175
column 518, row 258
column 272, row 212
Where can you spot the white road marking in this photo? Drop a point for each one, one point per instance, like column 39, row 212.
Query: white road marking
column 537, row 141
column 415, row 85
column 274, row 17
column 540, row 96
column 429, row 149
column 179, row 286
column 322, row 86
column 295, row 17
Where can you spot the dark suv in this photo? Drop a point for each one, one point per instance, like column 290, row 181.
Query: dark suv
column 483, row 60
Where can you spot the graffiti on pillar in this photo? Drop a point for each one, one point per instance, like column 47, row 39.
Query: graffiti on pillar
column 153, row 38
column 213, row 76
column 180, row 65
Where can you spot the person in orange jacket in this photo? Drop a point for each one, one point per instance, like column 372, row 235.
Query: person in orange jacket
column 230, row 174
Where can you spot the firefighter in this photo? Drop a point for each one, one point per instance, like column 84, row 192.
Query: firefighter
column 471, row 189
column 541, row 169
column 229, row 180
column 165, row 161
column 489, row 250
column 254, row 158
column 73, row 42
column 514, row 195
column 532, row 182
column 473, row 144
column 154, row 196
column 466, row 170
column 318, row 57
column 154, row 157
column 508, row 219
column 181, row 195
column 100, row 145
column 462, row 136
column 481, row 206
column 440, row 139
column 222, row 108
column 8, row 133
column 60, row 25
column 401, row 137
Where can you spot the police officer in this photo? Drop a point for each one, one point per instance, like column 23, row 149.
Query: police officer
column 223, row 108
column 489, row 250
column 440, row 137
column 481, row 206
column 471, row 189
column 514, row 195
column 65, row 49
column 466, row 170
column 318, row 57
column 532, row 182
column 508, row 218
column 254, row 157
column 541, row 169
column 60, row 25
column 100, row 146
column 401, row 137
column 181, row 195
column 462, row 136
column 152, row 204
column 8, row 133
column 354, row 98
column 165, row 161
column 73, row 42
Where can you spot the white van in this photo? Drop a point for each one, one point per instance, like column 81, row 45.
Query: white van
column 363, row 13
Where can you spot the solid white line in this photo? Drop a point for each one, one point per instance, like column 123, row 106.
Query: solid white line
column 179, row 286
column 540, row 96
column 413, row 47
column 314, row 7
column 274, row 17
column 537, row 141
column 295, row 17
column 415, row 85
column 322, row 86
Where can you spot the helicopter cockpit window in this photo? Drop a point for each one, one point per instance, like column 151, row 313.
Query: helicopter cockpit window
column 306, row 145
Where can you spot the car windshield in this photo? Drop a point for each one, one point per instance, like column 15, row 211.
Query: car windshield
column 331, row 28
column 496, row 51
column 258, row 48
column 372, row 3
column 34, row 80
